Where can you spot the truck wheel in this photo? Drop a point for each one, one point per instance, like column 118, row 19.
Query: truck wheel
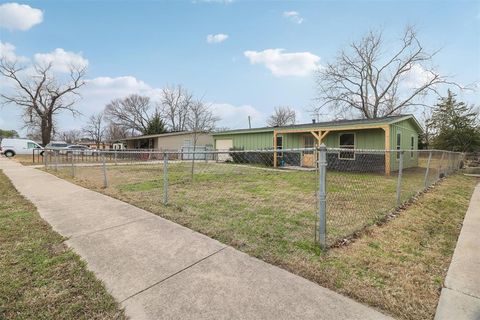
column 9, row 154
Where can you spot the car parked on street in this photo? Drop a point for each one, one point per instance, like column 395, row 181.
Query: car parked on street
column 12, row 147
column 79, row 150
column 59, row 146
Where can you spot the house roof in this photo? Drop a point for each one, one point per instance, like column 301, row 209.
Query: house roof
column 328, row 124
column 167, row 134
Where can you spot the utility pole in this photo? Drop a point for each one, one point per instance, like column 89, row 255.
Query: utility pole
column 249, row 123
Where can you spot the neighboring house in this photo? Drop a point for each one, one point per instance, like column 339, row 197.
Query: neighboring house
column 171, row 141
column 93, row 145
column 387, row 133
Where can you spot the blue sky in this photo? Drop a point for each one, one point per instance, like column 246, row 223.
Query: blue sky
column 135, row 46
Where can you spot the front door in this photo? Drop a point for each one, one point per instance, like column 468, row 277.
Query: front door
column 308, row 157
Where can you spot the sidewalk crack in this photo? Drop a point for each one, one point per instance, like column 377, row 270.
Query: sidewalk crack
column 173, row 274
column 108, row 228
column 464, row 293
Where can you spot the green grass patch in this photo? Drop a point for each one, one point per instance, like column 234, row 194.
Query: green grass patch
column 40, row 278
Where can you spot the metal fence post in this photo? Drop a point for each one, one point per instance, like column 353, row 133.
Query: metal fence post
column 445, row 171
column 399, row 179
column 56, row 160
column 165, row 178
column 105, row 180
column 449, row 163
column 45, row 159
column 115, row 156
column 322, row 196
column 73, row 167
column 440, row 166
column 428, row 169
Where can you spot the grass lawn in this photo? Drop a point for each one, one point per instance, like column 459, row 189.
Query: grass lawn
column 270, row 214
column 226, row 201
column 40, row 278
column 28, row 160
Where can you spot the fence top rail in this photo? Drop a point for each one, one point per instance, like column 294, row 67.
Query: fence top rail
column 161, row 152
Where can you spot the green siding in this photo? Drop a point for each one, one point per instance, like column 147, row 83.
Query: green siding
column 364, row 139
column 373, row 139
column 249, row 141
column 406, row 129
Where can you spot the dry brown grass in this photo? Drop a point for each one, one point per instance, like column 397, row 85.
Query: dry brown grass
column 398, row 267
column 40, row 278
column 28, row 160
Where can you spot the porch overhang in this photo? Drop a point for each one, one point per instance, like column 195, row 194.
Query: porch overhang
column 320, row 133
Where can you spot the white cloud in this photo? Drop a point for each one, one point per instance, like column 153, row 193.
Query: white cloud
column 7, row 52
column 14, row 16
column 217, row 38
column 417, row 77
column 236, row 117
column 101, row 90
column 118, row 87
column 94, row 96
column 293, row 16
column 61, row 60
column 284, row 64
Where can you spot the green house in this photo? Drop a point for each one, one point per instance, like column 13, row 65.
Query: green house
column 348, row 136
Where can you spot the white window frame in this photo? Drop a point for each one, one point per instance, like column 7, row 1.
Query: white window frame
column 354, row 145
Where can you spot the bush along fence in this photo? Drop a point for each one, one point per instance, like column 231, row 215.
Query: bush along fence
column 314, row 196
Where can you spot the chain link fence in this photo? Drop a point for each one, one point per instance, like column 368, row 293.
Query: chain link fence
column 238, row 195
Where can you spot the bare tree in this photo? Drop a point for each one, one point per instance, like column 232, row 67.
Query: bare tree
column 35, row 135
column 70, row 136
column 373, row 83
column 133, row 112
column 41, row 94
column 115, row 133
column 282, row 116
column 175, row 105
column 33, row 125
column 200, row 119
column 95, row 128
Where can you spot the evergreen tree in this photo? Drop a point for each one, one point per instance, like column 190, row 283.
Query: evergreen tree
column 455, row 125
column 8, row 134
column 155, row 125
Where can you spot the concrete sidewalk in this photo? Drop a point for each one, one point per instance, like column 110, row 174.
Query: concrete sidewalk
column 460, row 298
column 160, row 270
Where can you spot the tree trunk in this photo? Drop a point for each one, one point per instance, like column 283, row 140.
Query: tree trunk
column 46, row 128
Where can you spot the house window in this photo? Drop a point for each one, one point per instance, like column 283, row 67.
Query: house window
column 347, row 142
column 279, row 142
column 399, row 144
column 412, row 146
column 280, row 145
